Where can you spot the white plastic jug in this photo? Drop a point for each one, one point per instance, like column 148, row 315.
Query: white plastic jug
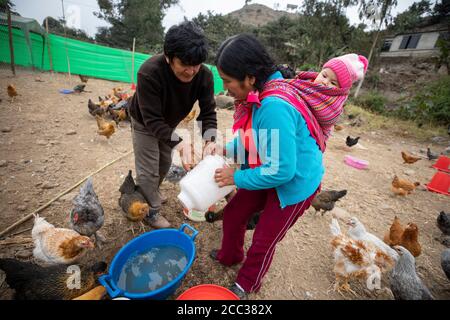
column 199, row 190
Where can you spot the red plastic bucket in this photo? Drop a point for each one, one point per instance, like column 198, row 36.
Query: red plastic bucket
column 440, row 183
column 207, row 292
column 442, row 164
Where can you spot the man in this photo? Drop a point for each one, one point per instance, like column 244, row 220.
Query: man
column 168, row 85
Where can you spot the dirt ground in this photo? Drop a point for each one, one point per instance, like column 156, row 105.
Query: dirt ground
column 48, row 142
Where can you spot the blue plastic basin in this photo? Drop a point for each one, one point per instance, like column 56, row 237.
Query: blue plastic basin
column 146, row 241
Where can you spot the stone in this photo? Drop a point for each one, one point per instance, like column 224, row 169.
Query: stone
column 41, row 142
column 3, row 163
column 41, row 169
column 71, row 132
column 438, row 139
column 6, row 129
column 22, row 208
column 447, row 150
column 49, row 185
column 53, row 142
column 23, row 254
column 409, row 172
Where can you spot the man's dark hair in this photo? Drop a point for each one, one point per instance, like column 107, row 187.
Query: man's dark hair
column 243, row 55
column 187, row 42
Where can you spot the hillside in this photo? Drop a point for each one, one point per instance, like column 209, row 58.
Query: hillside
column 257, row 15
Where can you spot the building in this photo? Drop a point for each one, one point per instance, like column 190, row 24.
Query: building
column 420, row 43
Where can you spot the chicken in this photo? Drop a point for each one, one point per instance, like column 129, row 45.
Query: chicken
column 95, row 109
column 353, row 259
column 79, row 88
column 407, row 158
column 410, row 239
column 175, row 174
column 357, row 231
column 338, row 127
column 33, row 282
column 83, row 79
column 57, row 245
column 87, row 215
column 431, row 155
column 404, row 281
column 405, row 185
column 131, row 200
column 211, row 217
column 105, row 128
column 122, row 114
column 350, row 142
column 443, row 222
column 445, row 262
column 12, row 92
column 190, row 116
column 325, row 200
column 399, row 191
column 394, row 235
column 95, row 294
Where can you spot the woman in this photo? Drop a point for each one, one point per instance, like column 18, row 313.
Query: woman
column 283, row 160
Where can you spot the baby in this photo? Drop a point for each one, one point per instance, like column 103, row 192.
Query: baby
column 343, row 71
column 325, row 93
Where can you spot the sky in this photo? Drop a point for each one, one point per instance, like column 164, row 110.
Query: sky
column 79, row 13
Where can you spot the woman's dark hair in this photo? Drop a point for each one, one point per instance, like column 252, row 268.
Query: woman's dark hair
column 243, row 55
column 187, row 42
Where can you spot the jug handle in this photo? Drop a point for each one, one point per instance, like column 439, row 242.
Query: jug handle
column 105, row 281
column 194, row 232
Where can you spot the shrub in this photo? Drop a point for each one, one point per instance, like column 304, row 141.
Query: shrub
column 372, row 101
column 431, row 104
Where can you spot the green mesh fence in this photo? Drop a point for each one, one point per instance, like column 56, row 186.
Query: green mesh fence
column 84, row 58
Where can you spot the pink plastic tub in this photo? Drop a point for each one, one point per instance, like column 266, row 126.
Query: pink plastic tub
column 356, row 163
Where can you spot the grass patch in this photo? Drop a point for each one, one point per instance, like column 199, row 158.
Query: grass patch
column 404, row 128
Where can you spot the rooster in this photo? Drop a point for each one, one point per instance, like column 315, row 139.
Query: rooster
column 87, row 215
column 105, row 128
column 57, row 245
column 407, row 158
column 353, row 259
column 34, row 282
column 132, row 202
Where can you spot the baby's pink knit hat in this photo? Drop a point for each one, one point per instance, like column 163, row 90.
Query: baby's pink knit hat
column 348, row 68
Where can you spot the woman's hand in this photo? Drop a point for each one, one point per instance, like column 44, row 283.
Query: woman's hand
column 225, row 176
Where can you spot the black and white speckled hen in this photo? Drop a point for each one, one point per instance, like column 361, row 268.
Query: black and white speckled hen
column 33, row 282
column 87, row 215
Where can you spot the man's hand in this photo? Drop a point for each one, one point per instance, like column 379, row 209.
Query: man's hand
column 186, row 151
column 225, row 176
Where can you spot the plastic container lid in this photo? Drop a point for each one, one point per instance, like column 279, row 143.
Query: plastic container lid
column 208, row 292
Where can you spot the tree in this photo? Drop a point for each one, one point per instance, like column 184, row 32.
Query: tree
column 57, row 27
column 379, row 13
column 140, row 19
column 7, row 4
column 412, row 17
column 217, row 28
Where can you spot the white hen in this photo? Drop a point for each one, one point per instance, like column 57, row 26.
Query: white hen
column 357, row 231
